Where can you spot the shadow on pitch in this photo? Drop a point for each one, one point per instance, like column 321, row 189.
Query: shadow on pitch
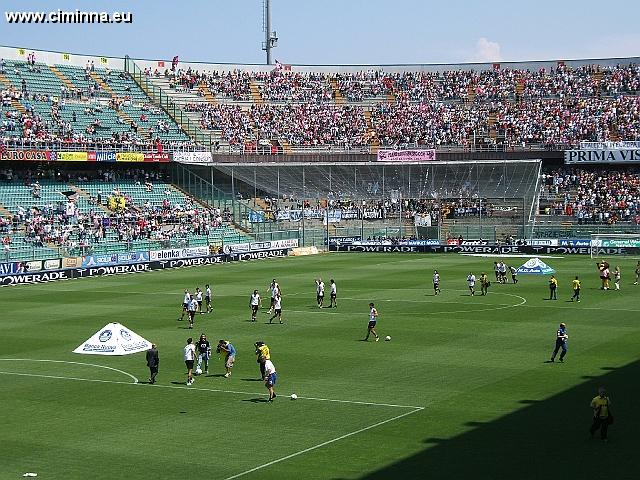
column 528, row 443
column 256, row 400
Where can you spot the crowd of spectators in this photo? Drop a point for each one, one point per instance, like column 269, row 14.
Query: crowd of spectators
column 595, row 195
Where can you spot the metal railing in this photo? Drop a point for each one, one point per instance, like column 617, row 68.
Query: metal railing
column 164, row 100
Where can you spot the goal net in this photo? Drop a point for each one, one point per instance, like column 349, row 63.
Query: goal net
column 600, row 241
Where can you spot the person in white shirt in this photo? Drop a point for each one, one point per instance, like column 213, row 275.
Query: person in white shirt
column 254, row 303
column 436, row 282
column 471, row 282
column 334, row 295
column 207, row 298
column 274, row 288
column 270, row 377
column 193, row 308
column 373, row 319
column 320, row 292
column 199, row 300
column 189, row 358
column 277, row 308
column 185, row 304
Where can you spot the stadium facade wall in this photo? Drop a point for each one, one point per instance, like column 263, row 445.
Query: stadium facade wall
column 80, row 60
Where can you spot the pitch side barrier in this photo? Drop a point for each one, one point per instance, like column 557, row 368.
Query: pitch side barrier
column 487, row 249
column 105, row 270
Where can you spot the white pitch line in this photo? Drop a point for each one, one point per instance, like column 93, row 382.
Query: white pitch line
column 580, row 307
column 135, row 380
column 320, row 445
column 201, row 389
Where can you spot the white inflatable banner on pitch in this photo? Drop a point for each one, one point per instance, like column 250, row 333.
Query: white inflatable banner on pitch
column 113, row 339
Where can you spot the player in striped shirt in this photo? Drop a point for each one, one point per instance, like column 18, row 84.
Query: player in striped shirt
column 436, row 282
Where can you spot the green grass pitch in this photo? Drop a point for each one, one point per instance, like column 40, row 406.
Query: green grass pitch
column 462, row 390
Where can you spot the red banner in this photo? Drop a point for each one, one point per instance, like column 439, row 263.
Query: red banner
column 157, row 157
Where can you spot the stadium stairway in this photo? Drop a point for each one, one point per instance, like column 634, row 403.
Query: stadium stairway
column 142, row 131
column 14, row 103
column 86, row 195
column 255, row 93
column 206, row 91
column 67, row 83
column 337, row 94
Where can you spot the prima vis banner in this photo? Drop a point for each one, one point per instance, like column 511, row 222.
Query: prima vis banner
column 406, row 155
column 631, row 155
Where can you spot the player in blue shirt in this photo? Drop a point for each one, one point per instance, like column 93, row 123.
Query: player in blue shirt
column 225, row 346
column 561, row 343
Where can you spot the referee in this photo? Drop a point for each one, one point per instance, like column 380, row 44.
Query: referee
column 561, row 343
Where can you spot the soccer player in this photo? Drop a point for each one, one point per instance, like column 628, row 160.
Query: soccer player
column 561, row 343
column 373, row 319
column 274, row 288
column 616, row 277
column 199, row 300
column 436, row 282
column 270, row 378
column 576, row 284
column 193, row 306
column 496, row 270
column 484, row 283
column 333, row 294
column 185, row 304
column 262, row 353
column 514, row 274
column 503, row 272
column 230, row 357
column 471, row 283
column 207, row 298
column 255, row 303
column 189, row 358
column 602, row 418
column 320, row 292
column 637, row 273
column 553, row 288
column 277, row 308
column 203, row 348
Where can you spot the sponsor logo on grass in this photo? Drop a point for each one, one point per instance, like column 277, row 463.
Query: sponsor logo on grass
column 125, row 334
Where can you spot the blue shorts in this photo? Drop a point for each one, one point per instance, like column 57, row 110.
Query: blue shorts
column 271, row 379
column 372, row 324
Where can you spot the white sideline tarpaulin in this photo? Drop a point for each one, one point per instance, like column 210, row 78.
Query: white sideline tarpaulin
column 113, row 339
column 535, row 266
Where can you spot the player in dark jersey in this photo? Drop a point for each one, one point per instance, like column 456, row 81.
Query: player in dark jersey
column 203, row 348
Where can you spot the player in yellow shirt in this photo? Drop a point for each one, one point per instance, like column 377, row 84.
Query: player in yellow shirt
column 602, row 417
column 262, row 353
column 576, row 284
column 553, row 288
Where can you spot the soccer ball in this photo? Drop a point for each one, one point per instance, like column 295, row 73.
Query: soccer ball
column 198, row 371
column 387, row 338
column 294, row 396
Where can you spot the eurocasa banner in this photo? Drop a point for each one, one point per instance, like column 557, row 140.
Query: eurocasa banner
column 27, row 155
column 90, row 156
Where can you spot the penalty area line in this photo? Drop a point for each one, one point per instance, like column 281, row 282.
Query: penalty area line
column 323, row 444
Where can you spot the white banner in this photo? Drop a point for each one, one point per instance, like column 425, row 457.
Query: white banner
column 632, row 145
column 259, row 246
column 175, row 253
column 602, row 156
column 113, row 339
column 406, row 155
column 192, row 157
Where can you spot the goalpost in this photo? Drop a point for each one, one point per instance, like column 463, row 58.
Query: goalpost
column 600, row 240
